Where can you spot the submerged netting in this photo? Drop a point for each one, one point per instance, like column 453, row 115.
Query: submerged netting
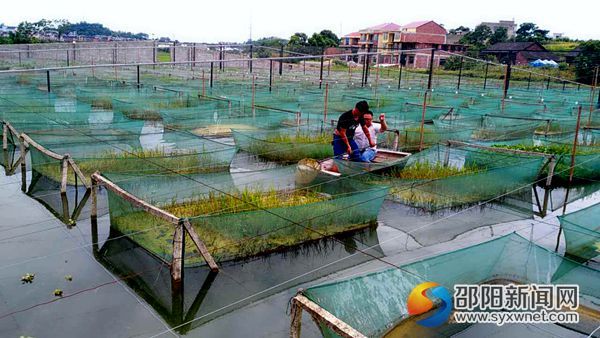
column 376, row 303
column 582, row 232
column 246, row 213
column 443, row 176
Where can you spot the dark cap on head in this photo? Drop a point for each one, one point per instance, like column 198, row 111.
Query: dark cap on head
column 362, row 106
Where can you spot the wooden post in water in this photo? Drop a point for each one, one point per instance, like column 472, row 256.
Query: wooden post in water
column 592, row 94
column 422, row 127
column 4, row 136
column 571, row 170
column 203, row 84
column 325, row 104
column 253, row 95
column 460, row 73
column 23, row 166
column 400, row 70
column 487, row 65
column 178, row 253
column 270, row 75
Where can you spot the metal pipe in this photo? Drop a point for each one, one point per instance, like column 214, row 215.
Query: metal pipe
column 271, row 75
column 400, row 71
column 460, row 73
column 430, row 69
column 487, row 65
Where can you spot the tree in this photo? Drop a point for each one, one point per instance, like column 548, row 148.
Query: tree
column 587, row 61
column 274, row 43
column 24, row 33
column 530, row 32
column 324, row 39
column 298, row 39
column 499, row 35
column 478, row 38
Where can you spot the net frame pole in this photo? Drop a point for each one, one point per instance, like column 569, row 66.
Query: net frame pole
column 400, row 70
column 251, row 56
column 281, row 61
column 270, row 75
column 485, row 77
column 48, row 81
column 571, row 170
column 460, row 72
column 321, row 71
column 430, row 77
column 321, row 316
column 325, row 103
column 211, row 74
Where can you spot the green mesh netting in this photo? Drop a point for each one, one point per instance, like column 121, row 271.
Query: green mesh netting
column 247, row 213
column 582, row 232
column 286, row 144
column 376, row 303
column 175, row 151
column 443, row 176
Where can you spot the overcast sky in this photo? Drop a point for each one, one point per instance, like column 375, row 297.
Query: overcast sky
column 230, row 20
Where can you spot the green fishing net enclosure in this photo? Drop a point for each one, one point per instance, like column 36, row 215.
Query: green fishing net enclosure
column 246, row 213
column 375, row 303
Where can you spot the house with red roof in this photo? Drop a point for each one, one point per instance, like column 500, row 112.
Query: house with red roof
column 413, row 41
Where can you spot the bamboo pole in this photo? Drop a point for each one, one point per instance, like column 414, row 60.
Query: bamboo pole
column 571, row 170
column 322, row 316
column 253, row 95
column 4, row 136
column 23, row 161
column 64, row 174
column 78, row 172
column 149, row 208
column 592, row 95
column 422, row 127
column 326, row 101
column 178, row 253
column 200, row 245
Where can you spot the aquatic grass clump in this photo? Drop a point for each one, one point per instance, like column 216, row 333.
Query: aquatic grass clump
column 587, row 161
column 286, row 148
column 426, row 170
column 246, row 200
column 249, row 222
column 137, row 160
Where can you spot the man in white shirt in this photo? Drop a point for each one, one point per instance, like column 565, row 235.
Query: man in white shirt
column 368, row 153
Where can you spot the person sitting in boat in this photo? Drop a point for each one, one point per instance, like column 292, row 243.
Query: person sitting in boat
column 343, row 136
column 367, row 151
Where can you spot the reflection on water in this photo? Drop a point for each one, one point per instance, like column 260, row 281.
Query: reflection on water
column 202, row 293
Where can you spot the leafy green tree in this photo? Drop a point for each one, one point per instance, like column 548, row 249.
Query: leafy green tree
column 499, row 35
column 452, row 63
column 274, row 44
column 530, row 32
column 478, row 38
column 325, row 38
column 24, row 33
column 298, row 39
column 587, row 61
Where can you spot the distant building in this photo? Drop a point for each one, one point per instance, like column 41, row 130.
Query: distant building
column 511, row 27
column 570, row 57
column 6, row 30
column 391, row 40
column 520, row 53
